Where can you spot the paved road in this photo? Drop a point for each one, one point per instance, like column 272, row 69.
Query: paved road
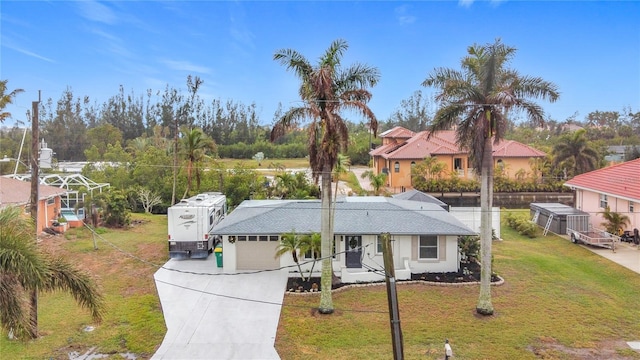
column 218, row 316
column 365, row 184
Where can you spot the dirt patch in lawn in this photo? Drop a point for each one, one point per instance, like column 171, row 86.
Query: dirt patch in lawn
column 550, row 348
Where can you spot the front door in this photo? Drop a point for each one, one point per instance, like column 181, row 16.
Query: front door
column 354, row 251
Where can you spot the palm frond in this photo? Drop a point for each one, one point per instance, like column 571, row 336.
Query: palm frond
column 14, row 302
column 66, row 277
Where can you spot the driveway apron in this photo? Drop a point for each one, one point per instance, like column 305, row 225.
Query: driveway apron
column 218, row 316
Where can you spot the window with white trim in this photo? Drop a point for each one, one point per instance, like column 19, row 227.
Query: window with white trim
column 396, row 166
column 378, row 244
column 428, row 247
column 603, row 201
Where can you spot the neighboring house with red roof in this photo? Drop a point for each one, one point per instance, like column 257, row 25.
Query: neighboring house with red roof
column 401, row 149
column 616, row 186
column 15, row 192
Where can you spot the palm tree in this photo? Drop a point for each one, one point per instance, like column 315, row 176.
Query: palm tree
column 326, row 90
column 477, row 99
column 311, row 243
column 195, row 145
column 377, row 181
column 6, row 99
column 614, row 222
column 290, row 243
column 25, row 268
column 342, row 164
column 575, row 152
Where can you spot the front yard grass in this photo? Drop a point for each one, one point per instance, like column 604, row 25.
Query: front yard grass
column 133, row 321
column 558, row 301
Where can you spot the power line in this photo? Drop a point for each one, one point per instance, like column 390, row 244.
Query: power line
column 219, row 274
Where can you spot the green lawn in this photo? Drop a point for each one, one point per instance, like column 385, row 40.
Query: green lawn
column 557, row 298
column 133, row 322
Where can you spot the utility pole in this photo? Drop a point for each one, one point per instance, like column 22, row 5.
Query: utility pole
column 35, row 182
column 392, row 297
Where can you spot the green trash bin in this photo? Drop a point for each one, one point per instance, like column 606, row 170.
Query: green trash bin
column 218, row 252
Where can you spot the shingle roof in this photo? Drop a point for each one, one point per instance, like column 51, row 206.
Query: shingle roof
column 416, row 195
column 620, row 180
column 18, row 192
column 354, row 215
column 444, row 142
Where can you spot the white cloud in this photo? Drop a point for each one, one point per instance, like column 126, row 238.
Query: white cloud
column 96, row 11
column 27, row 52
column 468, row 3
column 114, row 45
column 402, row 15
column 186, row 66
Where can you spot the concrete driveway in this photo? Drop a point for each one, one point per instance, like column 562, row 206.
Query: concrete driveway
column 218, row 316
column 627, row 255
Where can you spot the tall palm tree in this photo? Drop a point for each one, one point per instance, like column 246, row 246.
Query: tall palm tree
column 326, row 90
column 195, row 145
column 24, row 268
column 477, row 99
column 576, row 153
column 6, row 99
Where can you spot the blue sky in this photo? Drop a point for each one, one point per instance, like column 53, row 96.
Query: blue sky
column 590, row 49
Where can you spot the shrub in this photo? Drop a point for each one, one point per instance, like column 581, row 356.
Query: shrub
column 522, row 225
column 469, row 247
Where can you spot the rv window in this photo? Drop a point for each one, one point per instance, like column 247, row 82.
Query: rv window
column 211, row 220
column 253, row 238
column 242, row 238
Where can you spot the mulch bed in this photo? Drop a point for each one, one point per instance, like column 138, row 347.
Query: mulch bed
column 469, row 272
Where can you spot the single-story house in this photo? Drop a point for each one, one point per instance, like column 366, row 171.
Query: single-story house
column 616, row 187
column 401, row 149
column 424, row 236
column 470, row 216
column 14, row 192
column 416, row 195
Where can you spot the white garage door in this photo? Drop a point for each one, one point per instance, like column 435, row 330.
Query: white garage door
column 258, row 253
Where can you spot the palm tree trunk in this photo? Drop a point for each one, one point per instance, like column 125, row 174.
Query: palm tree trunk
column 326, row 302
column 189, row 170
column 484, row 306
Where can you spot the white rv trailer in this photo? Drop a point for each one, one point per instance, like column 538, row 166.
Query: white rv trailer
column 190, row 222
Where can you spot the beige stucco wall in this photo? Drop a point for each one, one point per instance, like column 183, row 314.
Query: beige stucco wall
column 402, row 178
column 513, row 165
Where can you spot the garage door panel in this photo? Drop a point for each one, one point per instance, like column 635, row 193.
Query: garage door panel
column 256, row 255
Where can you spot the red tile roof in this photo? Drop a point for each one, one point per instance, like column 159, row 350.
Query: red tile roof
column 620, row 180
column 444, row 142
column 18, row 192
column 510, row 148
column 397, row 132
